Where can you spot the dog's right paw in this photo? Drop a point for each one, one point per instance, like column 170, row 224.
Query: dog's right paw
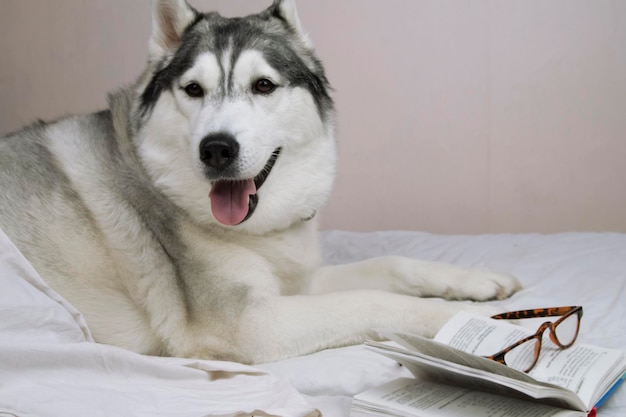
column 484, row 285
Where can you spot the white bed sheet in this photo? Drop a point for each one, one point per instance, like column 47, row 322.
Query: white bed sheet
column 49, row 366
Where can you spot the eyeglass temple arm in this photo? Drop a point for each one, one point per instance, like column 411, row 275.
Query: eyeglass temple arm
column 538, row 312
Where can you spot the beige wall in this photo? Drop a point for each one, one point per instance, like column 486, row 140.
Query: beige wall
column 455, row 116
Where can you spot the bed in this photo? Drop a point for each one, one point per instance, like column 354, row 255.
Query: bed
column 49, row 364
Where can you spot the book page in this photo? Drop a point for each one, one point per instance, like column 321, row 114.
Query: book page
column 581, row 368
column 409, row 397
column 435, row 362
column 480, row 335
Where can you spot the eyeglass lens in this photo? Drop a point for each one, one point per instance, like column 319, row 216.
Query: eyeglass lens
column 522, row 357
column 565, row 331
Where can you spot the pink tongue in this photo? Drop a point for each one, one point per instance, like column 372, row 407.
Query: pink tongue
column 229, row 200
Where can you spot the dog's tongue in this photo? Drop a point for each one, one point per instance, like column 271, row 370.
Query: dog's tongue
column 229, row 200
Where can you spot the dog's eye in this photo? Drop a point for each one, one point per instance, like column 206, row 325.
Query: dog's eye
column 263, row 86
column 194, row 90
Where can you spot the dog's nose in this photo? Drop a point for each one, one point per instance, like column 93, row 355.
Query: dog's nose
column 219, row 150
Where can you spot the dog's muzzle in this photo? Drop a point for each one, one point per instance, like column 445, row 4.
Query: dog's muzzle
column 233, row 200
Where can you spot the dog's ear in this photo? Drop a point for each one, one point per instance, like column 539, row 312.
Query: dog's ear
column 170, row 18
column 286, row 11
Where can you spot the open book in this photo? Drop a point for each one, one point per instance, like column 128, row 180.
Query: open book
column 454, row 379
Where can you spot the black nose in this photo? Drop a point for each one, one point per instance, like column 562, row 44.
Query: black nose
column 219, row 150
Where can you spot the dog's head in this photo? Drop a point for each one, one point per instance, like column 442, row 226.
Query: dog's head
column 233, row 116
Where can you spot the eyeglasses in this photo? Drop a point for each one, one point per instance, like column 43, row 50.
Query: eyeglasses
column 523, row 354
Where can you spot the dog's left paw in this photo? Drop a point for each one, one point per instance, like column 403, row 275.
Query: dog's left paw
column 451, row 282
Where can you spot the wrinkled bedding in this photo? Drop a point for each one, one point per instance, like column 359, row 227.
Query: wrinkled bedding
column 49, row 364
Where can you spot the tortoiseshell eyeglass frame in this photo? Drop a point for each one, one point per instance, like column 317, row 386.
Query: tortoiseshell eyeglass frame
column 563, row 312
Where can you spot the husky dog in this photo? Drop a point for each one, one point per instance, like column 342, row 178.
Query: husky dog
column 180, row 221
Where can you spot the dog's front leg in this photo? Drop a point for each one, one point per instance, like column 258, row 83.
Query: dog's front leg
column 413, row 277
column 285, row 326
